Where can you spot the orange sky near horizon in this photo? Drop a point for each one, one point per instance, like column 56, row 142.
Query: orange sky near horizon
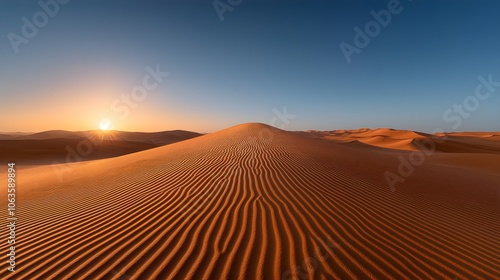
column 81, row 103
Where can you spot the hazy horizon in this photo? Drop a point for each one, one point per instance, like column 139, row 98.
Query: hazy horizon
column 202, row 132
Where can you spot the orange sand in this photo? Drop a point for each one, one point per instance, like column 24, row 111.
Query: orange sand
column 255, row 202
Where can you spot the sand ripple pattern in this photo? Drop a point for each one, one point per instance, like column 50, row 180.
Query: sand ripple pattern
column 248, row 202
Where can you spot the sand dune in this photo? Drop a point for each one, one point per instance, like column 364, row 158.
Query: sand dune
column 458, row 142
column 57, row 145
column 255, row 202
column 163, row 137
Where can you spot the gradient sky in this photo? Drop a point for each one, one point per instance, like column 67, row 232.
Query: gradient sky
column 264, row 55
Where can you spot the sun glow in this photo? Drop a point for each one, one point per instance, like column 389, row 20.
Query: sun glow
column 105, row 125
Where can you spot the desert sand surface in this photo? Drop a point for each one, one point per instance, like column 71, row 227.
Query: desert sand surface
column 256, row 202
column 66, row 146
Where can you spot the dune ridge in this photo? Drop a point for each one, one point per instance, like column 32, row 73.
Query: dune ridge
column 253, row 202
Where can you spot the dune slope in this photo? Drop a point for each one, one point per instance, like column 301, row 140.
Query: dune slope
column 253, row 202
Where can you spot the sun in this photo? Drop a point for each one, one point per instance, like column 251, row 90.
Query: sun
column 105, row 124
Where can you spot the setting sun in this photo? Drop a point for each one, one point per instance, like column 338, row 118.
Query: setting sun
column 105, row 124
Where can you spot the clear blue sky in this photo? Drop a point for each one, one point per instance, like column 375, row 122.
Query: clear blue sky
column 263, row 55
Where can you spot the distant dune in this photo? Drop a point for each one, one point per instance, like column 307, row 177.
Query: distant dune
column 458, row 142
column 256, row 202
column 56, row 145
column 163, row 137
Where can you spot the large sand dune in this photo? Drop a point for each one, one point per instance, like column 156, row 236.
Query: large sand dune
column 255, row 202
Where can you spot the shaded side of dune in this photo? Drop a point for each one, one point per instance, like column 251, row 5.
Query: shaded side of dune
column 41, row 148
column 31, row 152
